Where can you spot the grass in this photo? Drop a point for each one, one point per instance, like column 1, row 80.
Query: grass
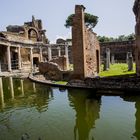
column 117, row 69
column 60, row 82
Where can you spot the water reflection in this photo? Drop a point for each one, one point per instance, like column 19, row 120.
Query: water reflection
column 135, row 99
column 87, row 110
column 21, row 93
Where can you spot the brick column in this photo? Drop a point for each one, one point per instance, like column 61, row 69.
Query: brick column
column 9, row 58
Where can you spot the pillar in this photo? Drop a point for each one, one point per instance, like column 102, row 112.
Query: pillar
column 49, row 53
column 41, row 56
column 34, row 87
column 31, row 58
column 130, row 61
column 9, row 58
column 19, row 58
column 59, row 51
column 112, row 59
column 67, row 55
column 107, row 59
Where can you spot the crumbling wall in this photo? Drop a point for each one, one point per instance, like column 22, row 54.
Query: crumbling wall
column 61, row 62
column 50, row 70
column 85, row 47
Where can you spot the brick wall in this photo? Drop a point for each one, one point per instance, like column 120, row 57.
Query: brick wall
column 85, row 47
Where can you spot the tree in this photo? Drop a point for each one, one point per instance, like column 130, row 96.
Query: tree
column 90, row 20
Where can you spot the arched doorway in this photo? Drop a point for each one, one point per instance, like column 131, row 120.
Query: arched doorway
column 32, row 35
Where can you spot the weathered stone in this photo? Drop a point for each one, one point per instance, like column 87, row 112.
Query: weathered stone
column 50, row 70
column 85, row 47
column 136, row 10
column 130, row 61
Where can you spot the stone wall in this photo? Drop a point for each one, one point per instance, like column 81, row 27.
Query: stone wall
column 85, row 47
column 118, row 50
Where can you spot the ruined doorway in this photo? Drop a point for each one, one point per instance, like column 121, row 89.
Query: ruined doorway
column 35, row 61
column 97, row 60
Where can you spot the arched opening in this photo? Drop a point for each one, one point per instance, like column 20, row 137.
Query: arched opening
column 32, row 35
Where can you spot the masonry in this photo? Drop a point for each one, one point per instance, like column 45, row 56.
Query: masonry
column 85, row 47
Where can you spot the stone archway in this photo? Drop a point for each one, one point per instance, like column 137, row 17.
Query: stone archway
column 32, row 35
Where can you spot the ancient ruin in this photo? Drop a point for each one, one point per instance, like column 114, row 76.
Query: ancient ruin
column 85, row 47
column 136, row 10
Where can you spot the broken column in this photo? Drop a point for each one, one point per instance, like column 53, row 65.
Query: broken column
column 84, row 47
column 107, row 59
column 130, row 61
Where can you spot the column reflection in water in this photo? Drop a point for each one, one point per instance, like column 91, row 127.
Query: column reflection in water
column 22, row 87
column 87, row 112
column 1, row 94
column 11, row 87
column 135, row 99
column 34, row 88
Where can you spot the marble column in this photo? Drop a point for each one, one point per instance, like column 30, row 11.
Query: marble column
column 112, row 59
column 107, row 59
column 59, row 51
column 9, row 58
column 130, row 61
column 67, row 55
column 19, row 58
column 49, row 53
column 31, row 58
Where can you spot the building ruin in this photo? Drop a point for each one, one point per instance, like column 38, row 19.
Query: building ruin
column 85, row 47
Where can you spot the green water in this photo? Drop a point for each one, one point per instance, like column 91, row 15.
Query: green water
column 37, row 112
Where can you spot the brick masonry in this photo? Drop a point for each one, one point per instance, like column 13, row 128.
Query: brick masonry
column 85, row 47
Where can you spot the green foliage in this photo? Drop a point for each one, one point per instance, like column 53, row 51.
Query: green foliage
column 118, row 39
column 90, row 20
column 117, row 69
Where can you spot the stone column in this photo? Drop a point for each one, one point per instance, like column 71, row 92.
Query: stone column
column 107, row 59
column 49, row 53
column 130, row 61
column 11, row 87
column 59, row 51
column 9, row 58
column 41, row 56
column 112, row 59
column 19, row 58
column 67, row 56
column 22, row 87
column 31, row 58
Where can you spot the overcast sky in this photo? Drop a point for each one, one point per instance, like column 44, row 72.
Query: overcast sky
column 115, row 16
